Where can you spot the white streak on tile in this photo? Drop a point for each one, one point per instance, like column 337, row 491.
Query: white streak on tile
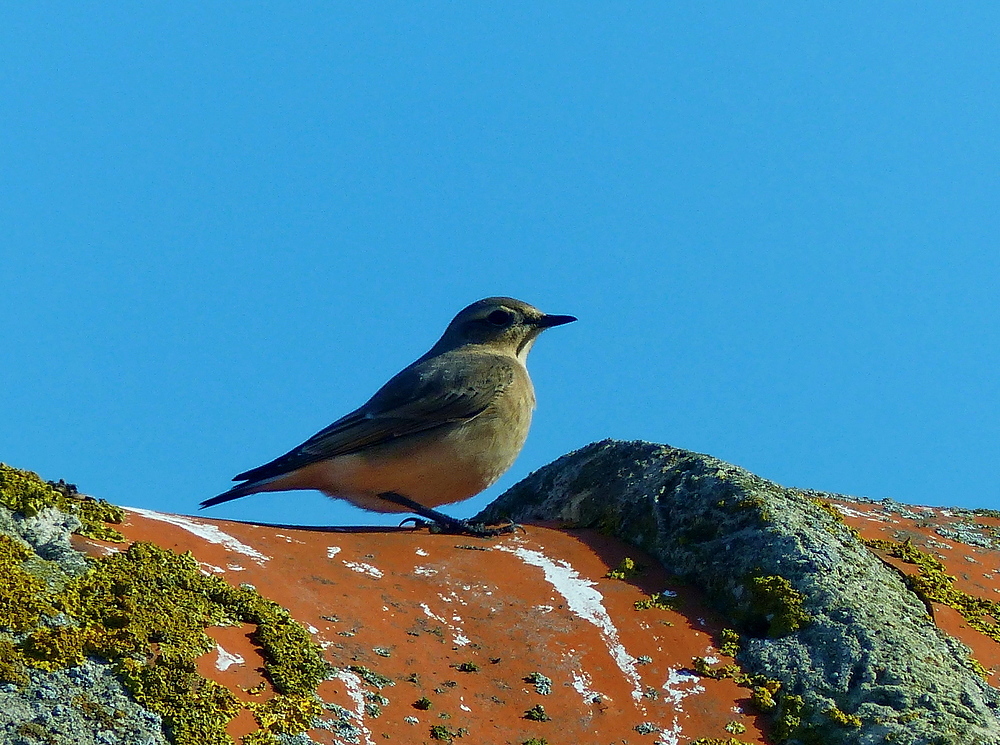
column 581, row 684
column 205, row 531
column 585, row 602
column 678, row 686
column 362, row 568
column 355, row 689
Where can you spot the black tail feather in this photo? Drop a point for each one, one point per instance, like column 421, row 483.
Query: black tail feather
column 235, row 493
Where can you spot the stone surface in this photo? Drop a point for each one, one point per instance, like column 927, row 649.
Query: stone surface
column 431, row 636
column 82, row 705
column 464, row 623
column 869, row 647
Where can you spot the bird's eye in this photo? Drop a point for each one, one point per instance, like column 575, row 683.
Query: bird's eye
column 500, row 317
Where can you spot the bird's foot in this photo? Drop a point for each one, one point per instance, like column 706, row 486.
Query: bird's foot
column 463, row 527
column 438, row 522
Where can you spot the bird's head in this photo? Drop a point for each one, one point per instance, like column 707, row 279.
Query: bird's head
column 507, row 325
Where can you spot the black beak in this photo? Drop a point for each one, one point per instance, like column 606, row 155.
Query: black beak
column 547, row 321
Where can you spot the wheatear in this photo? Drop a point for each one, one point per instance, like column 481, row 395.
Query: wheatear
column 440, row 431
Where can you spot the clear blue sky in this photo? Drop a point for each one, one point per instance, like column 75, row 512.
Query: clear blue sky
column 224, row 225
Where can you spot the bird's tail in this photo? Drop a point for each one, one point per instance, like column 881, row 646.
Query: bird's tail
column 241, row 490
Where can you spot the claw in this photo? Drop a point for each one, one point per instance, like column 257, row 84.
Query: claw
column 417, row 522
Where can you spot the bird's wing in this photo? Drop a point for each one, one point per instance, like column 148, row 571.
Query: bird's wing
column 442, row 390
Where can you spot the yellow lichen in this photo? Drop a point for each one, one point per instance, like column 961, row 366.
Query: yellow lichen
column 626, row 570
column 287, row 714
column 704, row 668
column 22, row 596
column 659, row 600
column 933, row 584
column 842, row 717
column 730, row 643
column 779, row 603
column 146, row 610
column 27, row 494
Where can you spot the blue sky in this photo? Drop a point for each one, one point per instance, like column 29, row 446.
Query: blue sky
column 225, row 225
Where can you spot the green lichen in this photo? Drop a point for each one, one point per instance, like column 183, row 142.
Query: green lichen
column 626, row 570
column 757, row 504
column 535, row 741
column 36, row 732
column 27, row 494
column 445, row 734
column 371, row 677
column 659, row 600
column 96, row 711
column 933, row 584
column 537, row 714
column 789, row 717
column 718, row 741
column 467, row 667
column 730, row 643
column 842, row 717
column 542, row 683
column 736, row 728
column 145, row 610
column 22, row 596
column 780, row 604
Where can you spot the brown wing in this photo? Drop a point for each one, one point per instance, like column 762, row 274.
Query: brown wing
column 433, row 393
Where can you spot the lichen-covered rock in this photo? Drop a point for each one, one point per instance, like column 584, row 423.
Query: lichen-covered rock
column 104, row 650
column 858, row 657
column 82, row 705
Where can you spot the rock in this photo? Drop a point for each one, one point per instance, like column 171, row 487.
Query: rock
column 615, row 617
column 817, row 610
column 83, row 705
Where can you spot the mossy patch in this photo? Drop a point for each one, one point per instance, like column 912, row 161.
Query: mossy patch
column 780, row 604
column 659, row 600
column 145, row 610
column 27, row 494
column 627, row 569
column 786, row 710
column 537, row 714
column 842, row 717
column 933, row 584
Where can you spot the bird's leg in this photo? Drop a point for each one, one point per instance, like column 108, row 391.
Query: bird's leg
column 443, row 522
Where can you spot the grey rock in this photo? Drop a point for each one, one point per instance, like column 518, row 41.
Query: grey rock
column 869, row 647
column 56, row 705
column 82, row 705
column 47, row 534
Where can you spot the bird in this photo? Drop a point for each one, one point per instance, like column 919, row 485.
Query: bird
column 441, row 430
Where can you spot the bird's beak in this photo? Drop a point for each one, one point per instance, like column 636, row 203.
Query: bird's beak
column 548, row 321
